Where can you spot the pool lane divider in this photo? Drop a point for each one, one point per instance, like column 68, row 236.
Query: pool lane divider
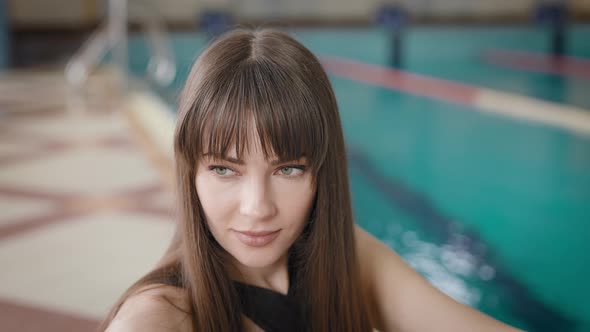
column 518, row 107
column 566, row 66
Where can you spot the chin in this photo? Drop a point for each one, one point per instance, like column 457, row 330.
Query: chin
column 256, row 258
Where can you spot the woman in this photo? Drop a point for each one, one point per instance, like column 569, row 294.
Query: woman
column 266, row 239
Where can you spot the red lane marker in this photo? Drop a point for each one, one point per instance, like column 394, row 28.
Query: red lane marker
column 399, row 80
column 537, row 62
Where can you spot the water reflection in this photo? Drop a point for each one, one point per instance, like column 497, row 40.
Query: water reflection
column 447, row 266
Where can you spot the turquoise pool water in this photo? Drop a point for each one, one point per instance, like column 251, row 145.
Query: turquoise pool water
column 491, row 210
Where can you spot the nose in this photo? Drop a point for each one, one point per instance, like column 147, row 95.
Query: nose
column 257, row 202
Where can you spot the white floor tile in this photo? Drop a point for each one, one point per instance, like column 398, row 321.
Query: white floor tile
column 13, row 209
column 81, row 266
column 92, row 171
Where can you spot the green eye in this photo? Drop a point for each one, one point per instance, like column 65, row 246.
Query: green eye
column 287, row 170
column 220, row 170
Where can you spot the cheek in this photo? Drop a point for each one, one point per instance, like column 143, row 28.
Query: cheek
column 297, row 202
column 216, row 202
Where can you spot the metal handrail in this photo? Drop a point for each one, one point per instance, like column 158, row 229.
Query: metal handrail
column 112, row 37
column 90, row 54
column 162, row 65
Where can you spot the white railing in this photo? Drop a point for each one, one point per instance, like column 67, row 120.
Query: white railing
column 112, row 37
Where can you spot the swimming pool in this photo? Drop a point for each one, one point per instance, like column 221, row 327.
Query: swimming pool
column 490, row 209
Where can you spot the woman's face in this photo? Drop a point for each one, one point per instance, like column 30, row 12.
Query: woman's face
column 255, row 208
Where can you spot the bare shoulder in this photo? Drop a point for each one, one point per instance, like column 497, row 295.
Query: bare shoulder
column 402, row 297
column 369, row 247
column 372, row 253
column 156, row 308
column 375, row 257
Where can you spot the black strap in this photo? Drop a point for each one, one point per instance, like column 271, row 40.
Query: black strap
column 270, row 310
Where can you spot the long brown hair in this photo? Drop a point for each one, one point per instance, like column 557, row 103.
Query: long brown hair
column 263, row 79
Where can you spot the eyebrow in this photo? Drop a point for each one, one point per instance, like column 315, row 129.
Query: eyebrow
column 241, row 162
column 234, row 160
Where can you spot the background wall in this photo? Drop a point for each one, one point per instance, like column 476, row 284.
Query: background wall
column 76, row 12
column 53, row 12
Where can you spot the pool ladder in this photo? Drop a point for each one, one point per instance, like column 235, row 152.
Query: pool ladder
column 111, row 36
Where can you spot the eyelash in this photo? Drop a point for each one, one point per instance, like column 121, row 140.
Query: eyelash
column 212, row 168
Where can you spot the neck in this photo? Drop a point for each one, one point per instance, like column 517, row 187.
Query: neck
column 274, row 277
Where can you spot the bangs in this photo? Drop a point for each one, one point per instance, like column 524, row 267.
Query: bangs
column 259, row 100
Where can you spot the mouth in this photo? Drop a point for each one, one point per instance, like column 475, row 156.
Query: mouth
column 258, row 238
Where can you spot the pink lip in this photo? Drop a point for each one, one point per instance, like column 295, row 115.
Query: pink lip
column 257, row 239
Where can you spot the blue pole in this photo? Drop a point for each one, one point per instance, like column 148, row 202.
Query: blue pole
column 554, row 14
column 393, row 19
